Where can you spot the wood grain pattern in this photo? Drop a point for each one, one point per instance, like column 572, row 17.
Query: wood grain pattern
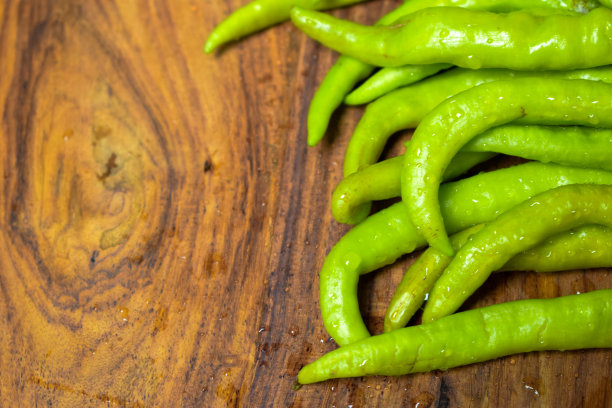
column 163, row 223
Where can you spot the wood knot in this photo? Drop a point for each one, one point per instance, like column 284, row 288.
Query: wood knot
column 208, row 165
column 110, row 165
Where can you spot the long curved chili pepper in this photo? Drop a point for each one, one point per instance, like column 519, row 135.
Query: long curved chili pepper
column 457, row 120
column 589, row 246
column 582, row 248
column 418, row 280
column 338, row 82
column 570, row 145
column 406, row 107
column 521, row 40
column 385, row 236
column 573, row 146
column 564, row 323
column 260, row 14
column 514, row 231
column 388, row 79
column 352, row 199
column 343, row 75
column 347, row 71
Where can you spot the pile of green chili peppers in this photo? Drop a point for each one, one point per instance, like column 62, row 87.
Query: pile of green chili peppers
column 474, row 78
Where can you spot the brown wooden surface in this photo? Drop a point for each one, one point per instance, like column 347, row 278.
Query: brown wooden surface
column 163, row 223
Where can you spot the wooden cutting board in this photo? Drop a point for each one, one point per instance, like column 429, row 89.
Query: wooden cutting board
column 163, row 223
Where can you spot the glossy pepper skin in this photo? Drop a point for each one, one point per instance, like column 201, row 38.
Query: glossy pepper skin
column 344, row 74
column 519, row 40
column 347, row 71
column 571, row 145
column 564, row 323
column 418, row 280
column 580, row 248
column 589, row 246
column 352, row 199
column 385, row 236
column 519, row 229
column 338, row 82
column 406, row 107
column 457, row 120
column 260, row 14
column 389, row 79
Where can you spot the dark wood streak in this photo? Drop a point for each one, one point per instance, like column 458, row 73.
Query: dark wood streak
column 22, row 90
column 443, row 394
column 279, row 277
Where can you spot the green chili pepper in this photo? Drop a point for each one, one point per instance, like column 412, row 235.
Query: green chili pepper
column 583, row 248
column 564, row 323
column 388, row 79
column 514, row 231
column 458, row 119
column 406, row 107
column 521, row 40
column 385, row 236
column 344, row 74
column 573, row 146
column 570, row 145
column 347, row 72
column 260, row 14
column 586, row 247
column 352, row 198
column 339, row 81
column 418, row 280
